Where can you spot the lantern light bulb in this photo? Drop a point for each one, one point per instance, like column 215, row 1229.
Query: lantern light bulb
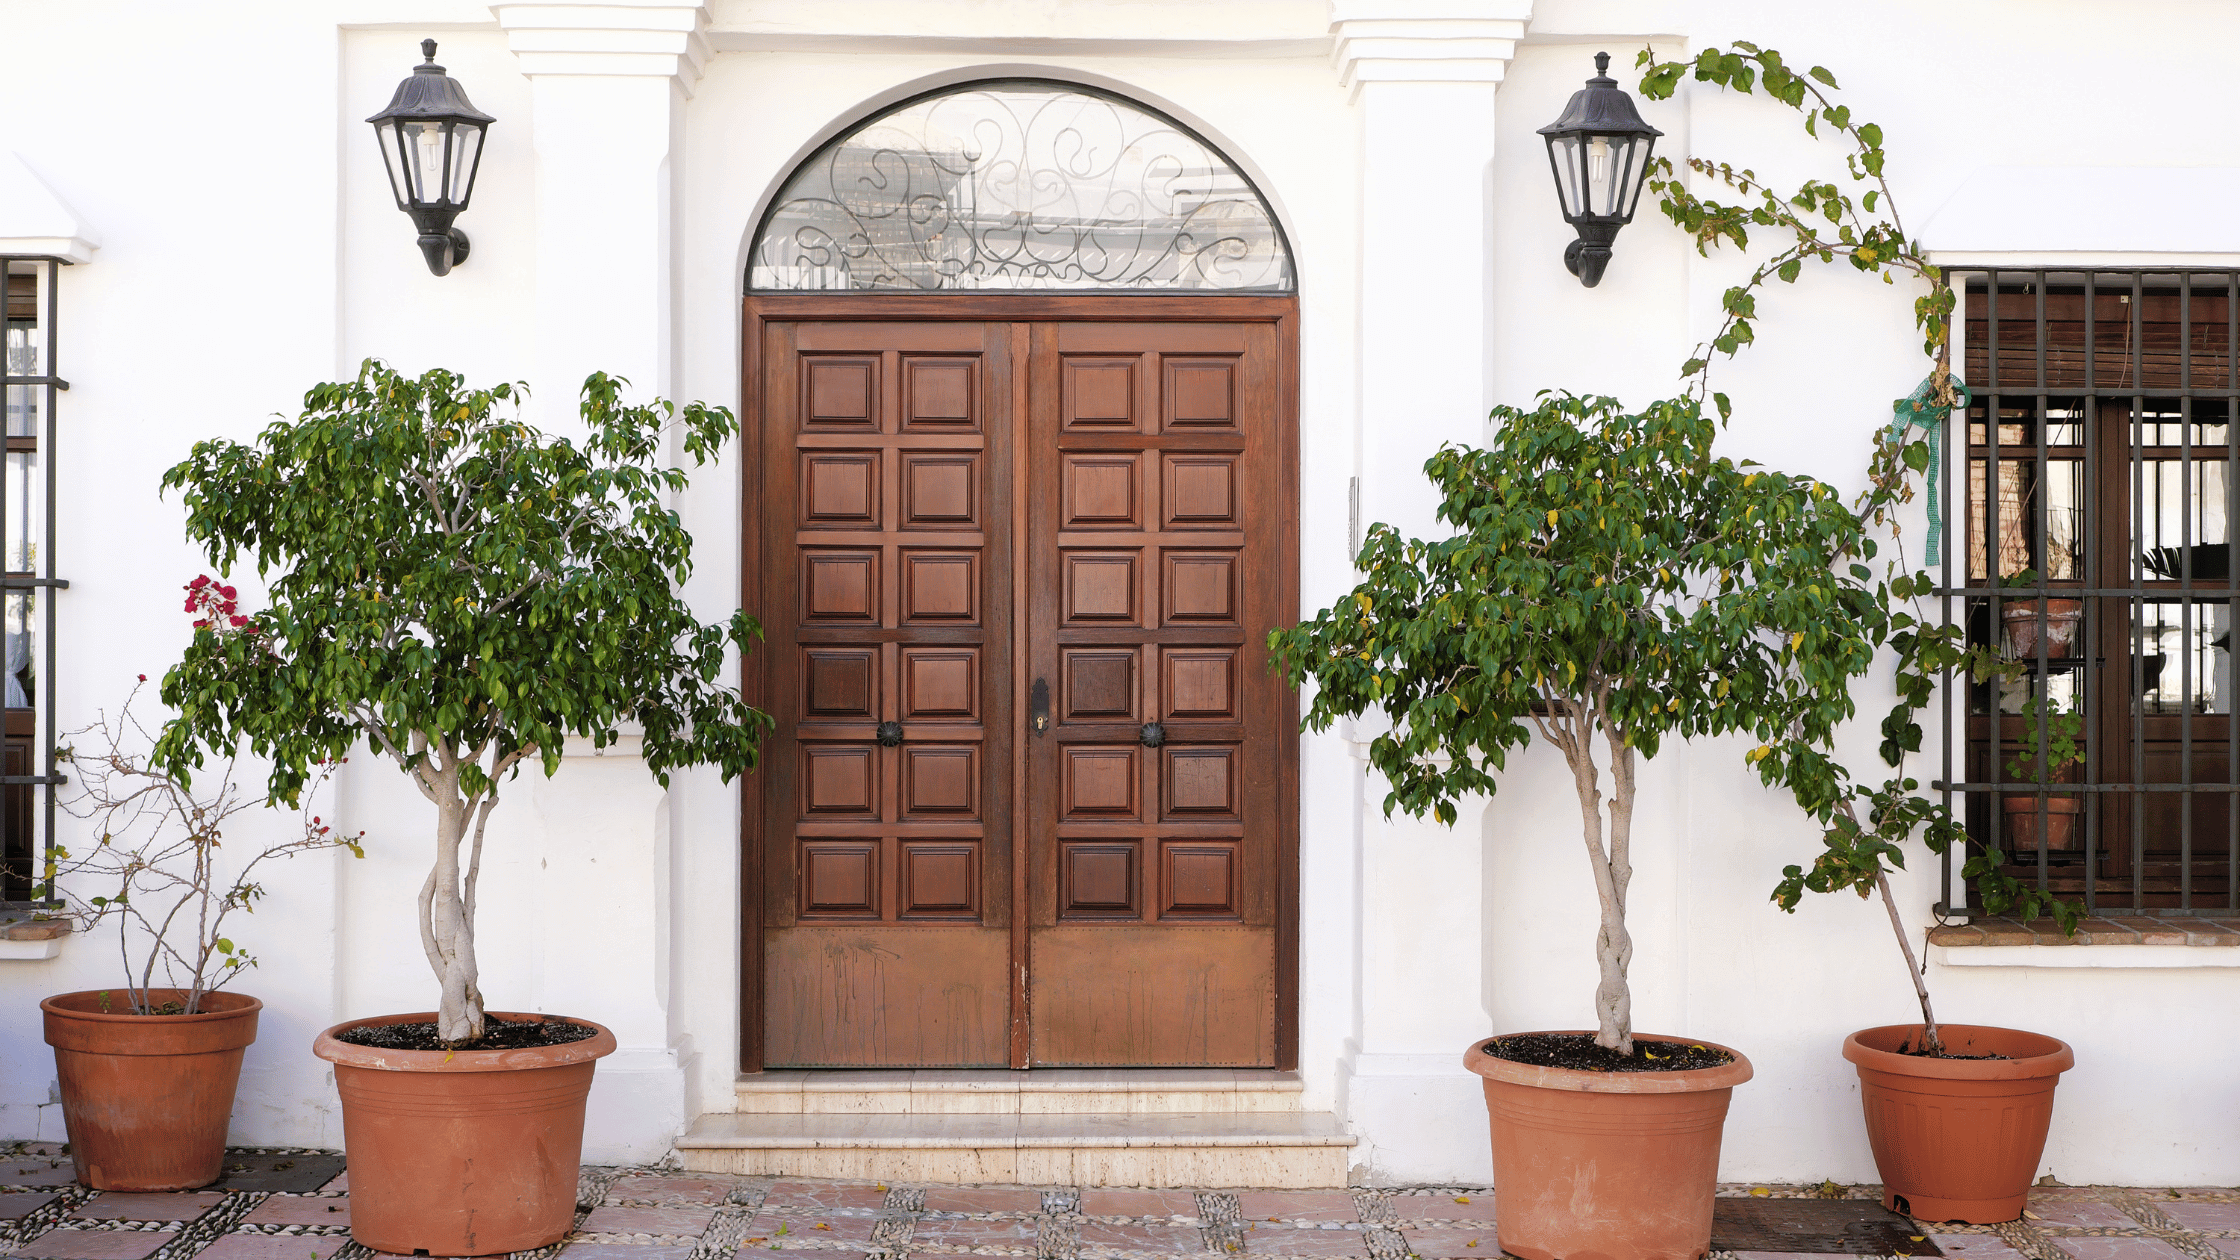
column 429, row 143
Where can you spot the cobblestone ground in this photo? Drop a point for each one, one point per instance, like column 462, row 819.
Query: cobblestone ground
column 659, row 1214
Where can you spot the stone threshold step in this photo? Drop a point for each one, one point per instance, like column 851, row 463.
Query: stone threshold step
column 812, row 1132
column 1287, row 1150
column 1041, row 1091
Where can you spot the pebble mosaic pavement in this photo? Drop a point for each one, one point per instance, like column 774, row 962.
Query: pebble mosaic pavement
column 662, row 1214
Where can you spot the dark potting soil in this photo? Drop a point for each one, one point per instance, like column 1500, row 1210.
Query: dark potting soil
column 497, row 1034
column 1924, row 1052
column 1579, row 1052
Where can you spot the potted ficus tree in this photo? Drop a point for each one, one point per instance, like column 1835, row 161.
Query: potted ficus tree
column 147, row 1068
column 1957, row 1115
column 462, row 594
column 1610, row 585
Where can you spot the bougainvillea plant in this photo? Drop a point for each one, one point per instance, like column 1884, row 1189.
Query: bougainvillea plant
column 1610, row 582
column 462, row 593
column 158, row 851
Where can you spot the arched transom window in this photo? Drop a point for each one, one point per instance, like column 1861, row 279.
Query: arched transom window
column 1019, row 184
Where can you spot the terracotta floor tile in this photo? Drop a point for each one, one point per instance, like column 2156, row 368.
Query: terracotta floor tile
column 948, row 1199
column 826, row 1197
column 1297, row 1205
column 14, row 1207
column 1442, row 1207
column 338, row 1185
column 802, row 1228
column 612, row 1251
column 276, row 1247
column 95, row 1244
column 954, row 1233
column 111, row 1205
column 654, row 1220
column 282, row 1209
column 2120, row 1248
column 1440, row 1242
column 2202, row 1215
column 36, row 1172
column 1286, row 1240
column 1106, row 1239
column 671, row 1189
column 1139, row 1203
column 2081, row 1212
column 1962, row 1247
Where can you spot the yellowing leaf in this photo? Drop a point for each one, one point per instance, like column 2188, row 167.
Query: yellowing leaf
column 1551, row 518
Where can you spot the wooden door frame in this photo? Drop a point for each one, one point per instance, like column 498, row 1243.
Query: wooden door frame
column 763, row 309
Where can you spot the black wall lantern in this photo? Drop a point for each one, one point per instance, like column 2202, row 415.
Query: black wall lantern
column 1599, row 149
column 431, row 139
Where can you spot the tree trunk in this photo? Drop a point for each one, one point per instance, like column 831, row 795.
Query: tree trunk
column 1613, row 1001
column 446, row 922
column 1932, row 1041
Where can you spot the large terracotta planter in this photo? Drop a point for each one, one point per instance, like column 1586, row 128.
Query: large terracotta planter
column 1958, row 1139
column 146, row 1098
column 470, row 1153
column 1605, row 1165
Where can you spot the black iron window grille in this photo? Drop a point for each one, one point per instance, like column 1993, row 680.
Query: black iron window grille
column 29, row 386
column 2097, row 466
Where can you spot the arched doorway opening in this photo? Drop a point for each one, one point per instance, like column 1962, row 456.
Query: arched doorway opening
column 1021, row 365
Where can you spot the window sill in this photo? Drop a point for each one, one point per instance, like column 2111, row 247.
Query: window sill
column 2124, row 942
column 25, row 939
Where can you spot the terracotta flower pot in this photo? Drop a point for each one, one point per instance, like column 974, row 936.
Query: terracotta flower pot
column 466, row 1153
column 146, row 1098
column 2027, row 829
column 1605, row 1165
column 2058, row 624
column 1958, row 1139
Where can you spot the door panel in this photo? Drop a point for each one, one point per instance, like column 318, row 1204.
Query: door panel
column 887, row 860
column 1027, row 801
column 1154, row 487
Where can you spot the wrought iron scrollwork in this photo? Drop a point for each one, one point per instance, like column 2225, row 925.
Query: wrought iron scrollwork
column 1019, row 185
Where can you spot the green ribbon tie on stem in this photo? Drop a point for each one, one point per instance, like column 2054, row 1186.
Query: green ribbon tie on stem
column 1919, row 408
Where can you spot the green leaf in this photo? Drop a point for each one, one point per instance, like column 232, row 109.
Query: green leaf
column 1820, row 73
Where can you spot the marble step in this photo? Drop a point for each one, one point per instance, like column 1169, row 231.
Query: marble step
column 1147, row 1091
column 1288, row 1150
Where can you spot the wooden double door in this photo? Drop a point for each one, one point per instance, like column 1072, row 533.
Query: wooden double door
column 1031, row 800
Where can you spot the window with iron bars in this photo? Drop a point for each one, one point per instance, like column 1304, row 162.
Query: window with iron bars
column 2096, row 466
column 28, row 389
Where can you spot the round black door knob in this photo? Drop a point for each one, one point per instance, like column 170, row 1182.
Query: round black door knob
column 890, row 733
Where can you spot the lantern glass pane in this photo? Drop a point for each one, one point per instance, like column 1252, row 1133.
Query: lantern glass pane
column 466, row 143
column 400, row 184
column 1637, row 164
column 1565, row 151
column 1599, row 171
column 424, row 145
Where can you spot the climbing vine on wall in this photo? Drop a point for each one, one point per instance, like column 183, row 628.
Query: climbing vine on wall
column 1855, row 222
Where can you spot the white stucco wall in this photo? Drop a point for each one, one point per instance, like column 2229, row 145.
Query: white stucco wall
column 1429, row 257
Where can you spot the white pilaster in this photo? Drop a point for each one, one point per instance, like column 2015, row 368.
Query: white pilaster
column 1423, row 73
column 608, row 84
